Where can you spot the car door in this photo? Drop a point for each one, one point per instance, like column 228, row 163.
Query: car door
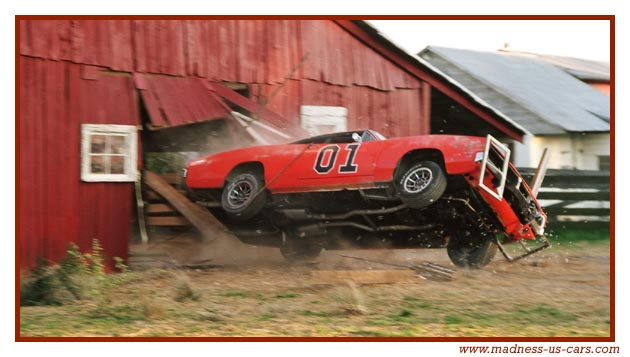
column 342, row 164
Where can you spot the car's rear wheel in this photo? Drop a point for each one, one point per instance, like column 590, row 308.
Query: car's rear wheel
column 422, row 184
column 471, row 249
column 296, row 251
column 243, row 196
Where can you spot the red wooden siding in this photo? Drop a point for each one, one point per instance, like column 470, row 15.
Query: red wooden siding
column 55, row 206
column 393, row 113
column 248, row 51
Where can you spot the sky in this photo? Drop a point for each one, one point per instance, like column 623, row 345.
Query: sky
column 588, row 39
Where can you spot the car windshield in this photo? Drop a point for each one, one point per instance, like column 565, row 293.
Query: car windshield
column 343, row 137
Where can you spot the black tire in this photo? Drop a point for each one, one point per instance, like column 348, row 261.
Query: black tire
column 299, row 252
column 241, row 198
column 471, row 250
column 422, row 184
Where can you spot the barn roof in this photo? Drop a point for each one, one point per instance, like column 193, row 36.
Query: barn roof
column 543, row 98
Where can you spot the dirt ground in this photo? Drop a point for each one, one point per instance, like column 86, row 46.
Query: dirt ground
column 563, row 291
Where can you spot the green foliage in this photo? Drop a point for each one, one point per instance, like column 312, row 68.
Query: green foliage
column 39, row 288
column 71, row 267
column 78, row 276
column 165, row 162
column 120, row 265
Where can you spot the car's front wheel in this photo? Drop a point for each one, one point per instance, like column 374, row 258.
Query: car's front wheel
column 422, row 184
column 243, row 196
column 471, row 249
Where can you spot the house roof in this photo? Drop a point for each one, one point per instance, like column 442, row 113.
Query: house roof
column 541, row 97
column 586, row 70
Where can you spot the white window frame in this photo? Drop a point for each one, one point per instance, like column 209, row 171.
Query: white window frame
column 130, row 132
column 312, row 116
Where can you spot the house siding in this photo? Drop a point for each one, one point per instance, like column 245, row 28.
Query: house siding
column 575, row 151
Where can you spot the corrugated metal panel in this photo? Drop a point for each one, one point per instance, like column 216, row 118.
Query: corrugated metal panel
column 247, row 51
column 173, row 101
column 55, row 206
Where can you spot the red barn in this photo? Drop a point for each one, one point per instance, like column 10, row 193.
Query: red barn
column 96, row 95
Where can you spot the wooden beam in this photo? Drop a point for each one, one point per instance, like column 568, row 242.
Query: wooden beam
column 168, row 221
column 206, row 223
column 539, row 174
column 159, row 208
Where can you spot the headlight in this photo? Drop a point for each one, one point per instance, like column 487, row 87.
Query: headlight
column 479, row 156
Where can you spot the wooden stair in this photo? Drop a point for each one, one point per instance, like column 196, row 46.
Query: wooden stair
column 160, row 213
column 167, row 206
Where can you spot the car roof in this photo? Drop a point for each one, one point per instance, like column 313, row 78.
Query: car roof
column 340, row 137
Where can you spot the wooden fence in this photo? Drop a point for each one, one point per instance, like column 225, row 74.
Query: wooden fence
column 574, row 198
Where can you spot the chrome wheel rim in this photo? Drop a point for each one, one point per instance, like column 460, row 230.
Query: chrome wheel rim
column 239, row 193
column 417, row 180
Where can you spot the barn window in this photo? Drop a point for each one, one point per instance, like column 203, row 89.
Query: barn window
column 108, row 153
column 318, row 119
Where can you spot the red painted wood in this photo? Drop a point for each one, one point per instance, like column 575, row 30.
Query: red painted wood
column 181, row 100
column 55, row 206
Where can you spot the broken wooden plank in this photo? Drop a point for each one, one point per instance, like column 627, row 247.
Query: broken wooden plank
column 363, row 276
column 205, row 222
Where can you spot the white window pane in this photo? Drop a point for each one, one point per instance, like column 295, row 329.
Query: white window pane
column 97, row 165
column 98, row 144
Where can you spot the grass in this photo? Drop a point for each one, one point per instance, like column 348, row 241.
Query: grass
column 573, row 235
column 511, row 300
column 287, row 296
column 235, row 294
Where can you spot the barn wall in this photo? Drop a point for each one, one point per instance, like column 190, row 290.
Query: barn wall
column 325, row 65
column 393, row 113
column 55, row 206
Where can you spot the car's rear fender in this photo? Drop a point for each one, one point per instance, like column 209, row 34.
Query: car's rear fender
column 456, row 154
